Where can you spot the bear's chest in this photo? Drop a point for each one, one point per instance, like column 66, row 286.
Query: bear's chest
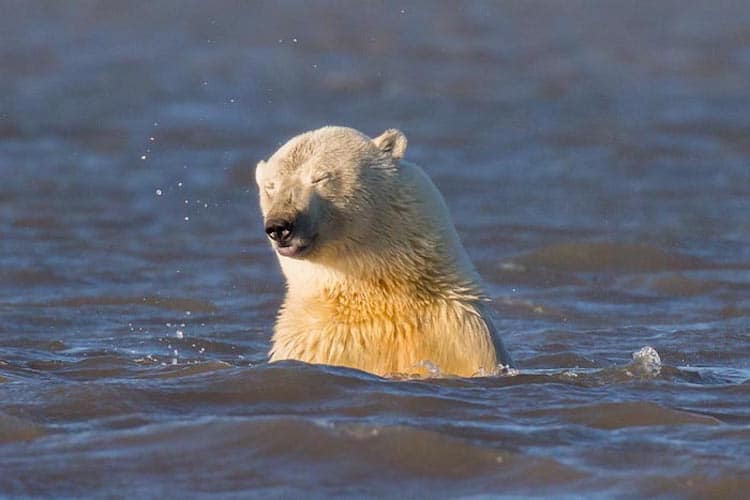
column 356, row 330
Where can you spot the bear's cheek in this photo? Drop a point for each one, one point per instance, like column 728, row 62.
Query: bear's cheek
column 265, row 204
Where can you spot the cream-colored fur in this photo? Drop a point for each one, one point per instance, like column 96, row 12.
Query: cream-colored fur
column 379, row 280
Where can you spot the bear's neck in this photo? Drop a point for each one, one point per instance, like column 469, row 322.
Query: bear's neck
column 382, row 278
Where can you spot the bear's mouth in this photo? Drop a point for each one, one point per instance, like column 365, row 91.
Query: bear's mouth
column 296, row 249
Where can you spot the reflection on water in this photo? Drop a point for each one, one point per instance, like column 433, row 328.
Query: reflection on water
column 596, row 158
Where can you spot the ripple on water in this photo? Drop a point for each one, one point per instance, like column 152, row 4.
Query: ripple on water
column 168, row 303
column 13, row 429
column 346, row 454
column 626, row 414
column 608, row 257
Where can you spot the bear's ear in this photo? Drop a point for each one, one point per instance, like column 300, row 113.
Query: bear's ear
column 258, row 171
column 392, row 142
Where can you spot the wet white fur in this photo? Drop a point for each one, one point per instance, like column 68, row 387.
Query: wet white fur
column 387, row 288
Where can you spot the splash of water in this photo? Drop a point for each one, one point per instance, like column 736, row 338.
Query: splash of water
column 432, row 368
column 646, row 361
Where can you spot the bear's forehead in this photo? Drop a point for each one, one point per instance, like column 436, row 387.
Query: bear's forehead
column 320, row 146
column 294, row 153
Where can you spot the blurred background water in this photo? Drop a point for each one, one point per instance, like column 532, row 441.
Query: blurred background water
column 596, row 159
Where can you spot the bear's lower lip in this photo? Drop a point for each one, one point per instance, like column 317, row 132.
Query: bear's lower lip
column 296, row 250
column 291, row 250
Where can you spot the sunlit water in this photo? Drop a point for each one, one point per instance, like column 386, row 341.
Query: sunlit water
column 595, row 156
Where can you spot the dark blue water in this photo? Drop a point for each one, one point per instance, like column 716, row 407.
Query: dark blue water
column 595, row 156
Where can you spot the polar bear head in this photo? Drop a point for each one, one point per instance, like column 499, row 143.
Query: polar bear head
column 322, row 193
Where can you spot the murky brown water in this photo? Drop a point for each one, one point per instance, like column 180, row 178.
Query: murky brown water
column 595, row 155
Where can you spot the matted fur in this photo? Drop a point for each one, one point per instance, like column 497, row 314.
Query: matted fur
column 383, row 283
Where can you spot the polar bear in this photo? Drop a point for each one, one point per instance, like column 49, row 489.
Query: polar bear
column 377, row 278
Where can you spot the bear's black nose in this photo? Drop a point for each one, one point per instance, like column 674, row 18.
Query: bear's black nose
column 279, row 230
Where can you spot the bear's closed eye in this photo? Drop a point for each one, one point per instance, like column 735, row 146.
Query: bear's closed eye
column 320, row 178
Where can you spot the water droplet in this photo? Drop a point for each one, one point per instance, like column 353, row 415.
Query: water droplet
column 158, row 192
column 179, row 334
column 143, row 157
